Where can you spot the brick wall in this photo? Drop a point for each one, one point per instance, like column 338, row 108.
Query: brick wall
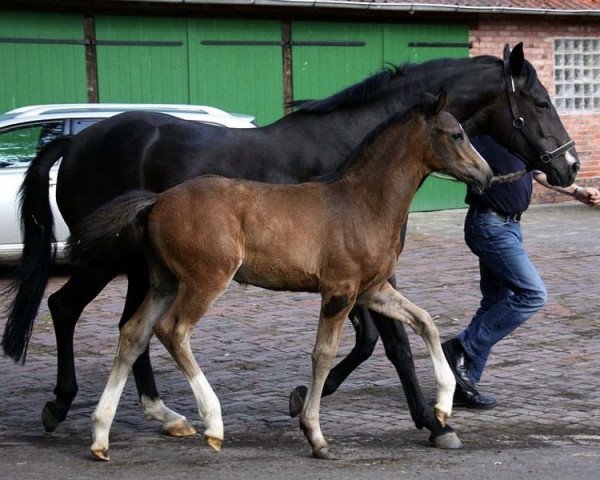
column 537, row 33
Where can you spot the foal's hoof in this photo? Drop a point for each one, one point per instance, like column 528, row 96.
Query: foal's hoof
column 180, row 428
column 324, row 454
column 101, row 454
column 297, row 400
column 49, row 417
column 213, row 442
column 447, row 441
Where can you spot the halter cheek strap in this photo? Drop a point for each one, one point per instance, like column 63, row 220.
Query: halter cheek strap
column 518, row 122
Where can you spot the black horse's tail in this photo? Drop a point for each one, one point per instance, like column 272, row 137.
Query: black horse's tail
column 37, row 229
column 115, row 227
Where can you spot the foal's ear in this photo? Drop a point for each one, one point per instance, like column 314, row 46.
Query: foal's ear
column 515, row 58
column 440, row 101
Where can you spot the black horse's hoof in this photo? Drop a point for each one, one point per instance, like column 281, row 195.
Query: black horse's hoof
column 297, row 400
column 446, row 441
column 50, row 417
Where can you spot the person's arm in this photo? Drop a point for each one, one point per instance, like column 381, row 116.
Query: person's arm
column 588, row 195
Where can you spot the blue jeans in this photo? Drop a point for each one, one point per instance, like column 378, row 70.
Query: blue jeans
column 511, row 286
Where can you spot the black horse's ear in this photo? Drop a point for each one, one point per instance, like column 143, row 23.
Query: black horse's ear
column 440, row 101
column 515, row 58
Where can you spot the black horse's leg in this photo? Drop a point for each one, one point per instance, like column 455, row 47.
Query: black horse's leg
column 398, row 351
column 366, row 338
column 66, row 306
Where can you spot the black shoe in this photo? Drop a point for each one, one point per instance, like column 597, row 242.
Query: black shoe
column 469, row 399
column 458, row 361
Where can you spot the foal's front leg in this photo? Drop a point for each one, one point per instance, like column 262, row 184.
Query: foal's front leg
column 387, row 301
column 334, row 309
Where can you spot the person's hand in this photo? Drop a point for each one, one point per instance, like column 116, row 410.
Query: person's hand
column 588, row 195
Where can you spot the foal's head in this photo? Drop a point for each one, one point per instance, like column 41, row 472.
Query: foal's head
column 451, row 150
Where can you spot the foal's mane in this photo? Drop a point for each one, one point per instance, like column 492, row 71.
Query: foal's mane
column 376, row 85
column 355, row 160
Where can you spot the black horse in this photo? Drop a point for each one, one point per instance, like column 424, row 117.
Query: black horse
column 503, row 98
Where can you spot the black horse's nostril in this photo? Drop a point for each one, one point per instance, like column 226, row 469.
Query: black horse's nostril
column 576, row 167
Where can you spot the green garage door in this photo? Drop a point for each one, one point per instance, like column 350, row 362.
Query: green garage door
column 416, row 44
column 42, row 58
column 327, row 57
column 142, row 60
column 236, row 65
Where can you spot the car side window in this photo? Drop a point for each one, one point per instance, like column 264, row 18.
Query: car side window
column 80, row 124
column 19, row 145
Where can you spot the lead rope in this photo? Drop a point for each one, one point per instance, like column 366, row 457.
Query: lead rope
column 509, row 177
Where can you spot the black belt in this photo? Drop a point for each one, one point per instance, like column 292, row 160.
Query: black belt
column 515, row 217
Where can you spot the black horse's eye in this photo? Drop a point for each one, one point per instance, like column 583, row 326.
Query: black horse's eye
column 457, row 137
column 543, row 105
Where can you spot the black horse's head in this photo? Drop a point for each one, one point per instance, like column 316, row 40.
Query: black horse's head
column 523, row 119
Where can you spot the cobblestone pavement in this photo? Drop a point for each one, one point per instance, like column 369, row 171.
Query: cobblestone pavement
column 255, row 348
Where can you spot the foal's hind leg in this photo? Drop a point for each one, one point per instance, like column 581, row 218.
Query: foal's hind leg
column 172, row 422
column 174, row 331
column 133, row 340
column 389, row 302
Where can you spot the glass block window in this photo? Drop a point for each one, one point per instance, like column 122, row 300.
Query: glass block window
column 577, row 74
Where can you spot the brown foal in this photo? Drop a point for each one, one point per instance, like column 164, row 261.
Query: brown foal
column 339, row 238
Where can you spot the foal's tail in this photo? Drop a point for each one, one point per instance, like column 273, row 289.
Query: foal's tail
column 33, row 271
column 116, row 224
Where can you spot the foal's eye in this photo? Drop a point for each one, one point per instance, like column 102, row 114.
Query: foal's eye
column 457, row 137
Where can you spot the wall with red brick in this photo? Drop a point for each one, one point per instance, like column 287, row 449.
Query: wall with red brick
column 537, row 33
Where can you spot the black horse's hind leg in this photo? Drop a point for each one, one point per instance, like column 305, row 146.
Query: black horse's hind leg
column 66, row 306
column 398, row 351
column 366, row 339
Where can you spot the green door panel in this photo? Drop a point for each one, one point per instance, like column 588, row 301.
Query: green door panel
column 142, row 59
column 236, row 65
column 49, row 68
column 435, row 193
column 327, row 57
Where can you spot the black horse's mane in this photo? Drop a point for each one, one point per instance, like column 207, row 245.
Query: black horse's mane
column 374, row 86
column 361, row 92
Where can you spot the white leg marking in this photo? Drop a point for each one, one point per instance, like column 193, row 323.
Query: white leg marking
column 209, row 407
column 107, row 406
column 157, row 410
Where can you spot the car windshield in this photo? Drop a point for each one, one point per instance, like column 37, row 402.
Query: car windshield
column 18, row 146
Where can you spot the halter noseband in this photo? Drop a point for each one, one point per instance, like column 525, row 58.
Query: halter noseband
column 518, row 122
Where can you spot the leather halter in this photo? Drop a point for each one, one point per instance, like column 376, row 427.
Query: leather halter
column 518, row 122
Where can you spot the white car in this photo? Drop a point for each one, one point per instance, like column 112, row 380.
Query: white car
column 25, row 130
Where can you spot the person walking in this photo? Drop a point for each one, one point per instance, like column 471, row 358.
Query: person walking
column 512, row 290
